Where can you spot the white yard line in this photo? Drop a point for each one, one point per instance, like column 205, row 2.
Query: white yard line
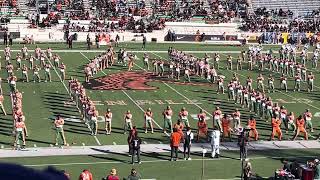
column 130, row 97
column 96, row 139
column 181, row 93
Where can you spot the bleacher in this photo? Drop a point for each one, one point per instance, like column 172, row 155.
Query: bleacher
column 298, row 7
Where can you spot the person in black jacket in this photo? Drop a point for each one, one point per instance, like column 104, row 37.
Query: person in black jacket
column 135, row 145
column 5, row 38
column 188, row 137
column 88, row 42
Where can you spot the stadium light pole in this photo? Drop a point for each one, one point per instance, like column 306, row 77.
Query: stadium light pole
column 204, row 151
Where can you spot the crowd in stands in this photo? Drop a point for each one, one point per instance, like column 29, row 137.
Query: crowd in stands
column 271, row 21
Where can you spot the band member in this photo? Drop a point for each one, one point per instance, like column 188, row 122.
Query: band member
column 37, row 53
column 18, row 59
column 56, row 61
column 283, row 83
column 36, row 75
column 42, row 60
column 49, row 53
column 183, row 116
column 229, row 60
column 226, row 130
column 24, row 51
column 283, row 116
column 291, row 125
column 108, row 120
column 187, row 72
column 88, row 73
column 47, row 73
column 217, row 115
column 220, row 85
column 127, row 121
column 310, row 81
column 12, row 83
column 202, row 128
column 239, row 63
column 297, row 83
column 161, row 68
column 63, row 71
column 253, row 129
column 19, row 133
column 130, row 62
column 300, row 122
column 24, row 73
column 146, row 61
column 31, row 62
column 93, row 113
column 307, row 115
column 9, row 69
column 236, row 118
column 167, row 119
column 179, row 126
column 249, row 83
column 59, row 122
column 260, row 85
column 270, row 84
column 276, row 122
column 148, row 120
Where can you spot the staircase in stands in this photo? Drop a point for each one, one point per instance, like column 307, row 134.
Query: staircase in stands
column 22, row 4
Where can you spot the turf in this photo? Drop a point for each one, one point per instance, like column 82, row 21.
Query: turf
column 41, row 101
column 157, row 165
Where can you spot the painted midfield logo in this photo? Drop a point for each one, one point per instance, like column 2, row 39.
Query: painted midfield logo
column 129, row 80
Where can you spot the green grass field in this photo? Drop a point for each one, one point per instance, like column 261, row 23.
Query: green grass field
column 41, row 101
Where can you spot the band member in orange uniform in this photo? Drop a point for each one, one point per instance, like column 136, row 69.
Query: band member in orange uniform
column 276, row 122
column 253, row 130
column 226, row 130
column 202, row 128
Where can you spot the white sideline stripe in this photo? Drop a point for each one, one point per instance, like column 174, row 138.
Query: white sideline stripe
column 128, row 96
column 97, row 140
column 161, row 160
column 276, row 90
column 182, row 94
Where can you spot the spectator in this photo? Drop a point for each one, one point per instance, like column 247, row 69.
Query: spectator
column 317, row 169
column 85, row 175
column 112, row 175
column 134, row 175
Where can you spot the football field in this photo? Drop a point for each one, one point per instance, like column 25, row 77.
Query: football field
column 42, row 101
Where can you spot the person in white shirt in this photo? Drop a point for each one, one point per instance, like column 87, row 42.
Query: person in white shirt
column 188, row 137
column 215, row 143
